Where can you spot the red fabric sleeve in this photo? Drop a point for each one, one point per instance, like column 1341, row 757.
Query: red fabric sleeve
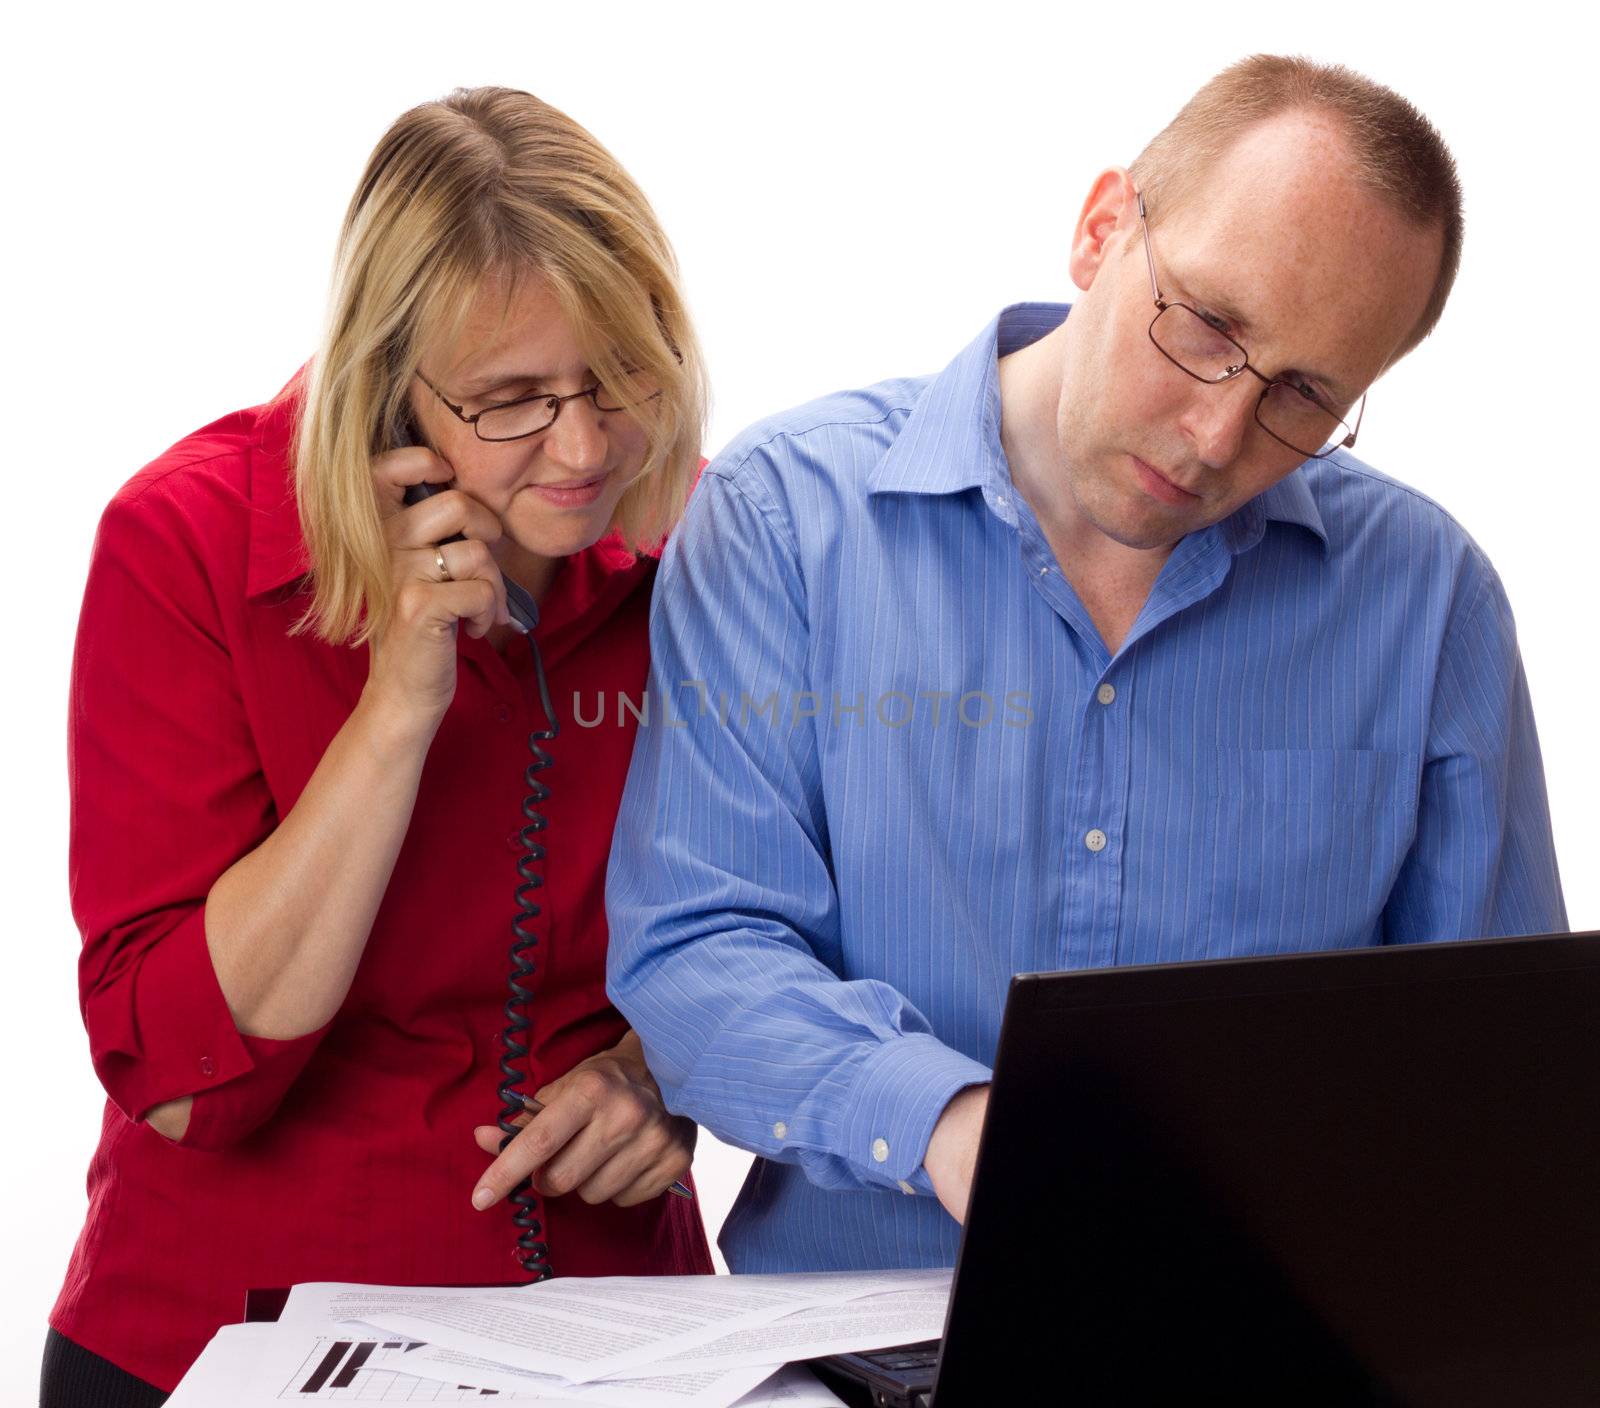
column 167, row 793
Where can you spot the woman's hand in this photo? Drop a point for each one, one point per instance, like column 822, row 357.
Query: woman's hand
column 413, row 674
column 603, row 1133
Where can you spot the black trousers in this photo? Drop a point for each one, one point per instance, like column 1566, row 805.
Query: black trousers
column 71, row 1377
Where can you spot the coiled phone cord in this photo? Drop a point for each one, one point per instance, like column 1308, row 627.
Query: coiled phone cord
column 532, row 1253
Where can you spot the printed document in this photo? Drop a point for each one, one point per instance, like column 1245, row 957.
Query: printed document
column 588, row 1328
column 269, row 1365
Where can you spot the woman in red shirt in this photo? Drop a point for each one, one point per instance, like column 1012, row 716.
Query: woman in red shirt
column 295, row 864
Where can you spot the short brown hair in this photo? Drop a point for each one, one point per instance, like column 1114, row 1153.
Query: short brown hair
column 483, row 182
column 1397, row 153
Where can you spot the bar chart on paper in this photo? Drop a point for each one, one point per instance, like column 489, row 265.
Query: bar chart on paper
column 371, row 1371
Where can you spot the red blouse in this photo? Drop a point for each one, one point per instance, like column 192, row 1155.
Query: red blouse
column 347, row 1154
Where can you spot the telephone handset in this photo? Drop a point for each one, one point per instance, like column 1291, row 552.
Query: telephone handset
column 531, row 1252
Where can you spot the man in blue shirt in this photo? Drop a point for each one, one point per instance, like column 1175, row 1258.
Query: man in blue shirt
column 1098, row 647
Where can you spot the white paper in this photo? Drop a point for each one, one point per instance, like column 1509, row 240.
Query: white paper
column 710, row 1388
column 792, row 1387
column 587, row 1328
column 869, row 1322
column 266, row 1365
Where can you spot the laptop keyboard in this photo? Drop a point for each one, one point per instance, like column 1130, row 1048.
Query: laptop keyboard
column 905, row 1358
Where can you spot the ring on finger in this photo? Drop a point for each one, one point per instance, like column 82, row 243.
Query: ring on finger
column 444, row 568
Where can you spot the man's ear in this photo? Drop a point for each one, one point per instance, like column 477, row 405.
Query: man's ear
column 1111, row 207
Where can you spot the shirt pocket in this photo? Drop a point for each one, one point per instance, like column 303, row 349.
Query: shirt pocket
column 1306, row 846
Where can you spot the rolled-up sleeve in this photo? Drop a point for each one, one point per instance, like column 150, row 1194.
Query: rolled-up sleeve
column 166, row 793
column 724, row 948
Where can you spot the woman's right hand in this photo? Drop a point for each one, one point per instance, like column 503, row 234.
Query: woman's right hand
column 413, row 673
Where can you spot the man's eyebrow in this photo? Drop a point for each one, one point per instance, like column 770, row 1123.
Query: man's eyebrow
column 1335, row 388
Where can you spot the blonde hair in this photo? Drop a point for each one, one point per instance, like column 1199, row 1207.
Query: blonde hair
column 1395, row 151
column 484, row 182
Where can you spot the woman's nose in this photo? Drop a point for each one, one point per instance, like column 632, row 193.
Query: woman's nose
column 577, row 441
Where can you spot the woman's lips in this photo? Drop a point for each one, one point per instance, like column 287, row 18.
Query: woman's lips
column 1158, row 486
column 576, row 495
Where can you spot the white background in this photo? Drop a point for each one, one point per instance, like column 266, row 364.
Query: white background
column 853, row 190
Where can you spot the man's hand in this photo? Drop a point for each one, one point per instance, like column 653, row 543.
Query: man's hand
column 952, row 1153
column 603, row 1133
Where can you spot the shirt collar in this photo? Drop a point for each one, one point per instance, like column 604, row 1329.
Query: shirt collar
column 951, row 440
column 1290, row 500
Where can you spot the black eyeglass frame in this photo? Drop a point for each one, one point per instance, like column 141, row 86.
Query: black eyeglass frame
column 555, row 402
column 1162, row 305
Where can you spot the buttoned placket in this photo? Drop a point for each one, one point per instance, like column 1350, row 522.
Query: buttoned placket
column 500, row 701
column 497, row 697
column 1093, row 806
column 1092, row 802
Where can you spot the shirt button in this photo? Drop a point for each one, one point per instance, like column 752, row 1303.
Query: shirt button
column 780, row 1130
column 1105, row 694
column 502, row 713
column 906, row 1187
column 1044, row 571
column 208, row 1067
column 1095, row 840
column 1001, row 500
column 880, row 1150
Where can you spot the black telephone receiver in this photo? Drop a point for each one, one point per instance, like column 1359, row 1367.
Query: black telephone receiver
column 531, row 1252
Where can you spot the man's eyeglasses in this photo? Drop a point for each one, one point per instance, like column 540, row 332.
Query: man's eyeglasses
column 1292, row 414
column 528, row 415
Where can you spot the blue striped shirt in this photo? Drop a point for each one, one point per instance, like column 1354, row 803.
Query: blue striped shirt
column 891, row 763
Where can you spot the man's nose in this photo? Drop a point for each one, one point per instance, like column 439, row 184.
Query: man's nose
column 577, row 441
column 1218, row 418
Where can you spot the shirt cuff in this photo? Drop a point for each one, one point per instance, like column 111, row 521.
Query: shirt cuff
column 896, row 1102
column 182, row 1041
column 174, row 1035
column 221, row 1117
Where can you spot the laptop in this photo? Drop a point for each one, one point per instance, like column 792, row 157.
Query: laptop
column 1368, row 1176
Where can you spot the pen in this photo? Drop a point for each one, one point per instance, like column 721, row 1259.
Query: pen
column 679, row 1188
